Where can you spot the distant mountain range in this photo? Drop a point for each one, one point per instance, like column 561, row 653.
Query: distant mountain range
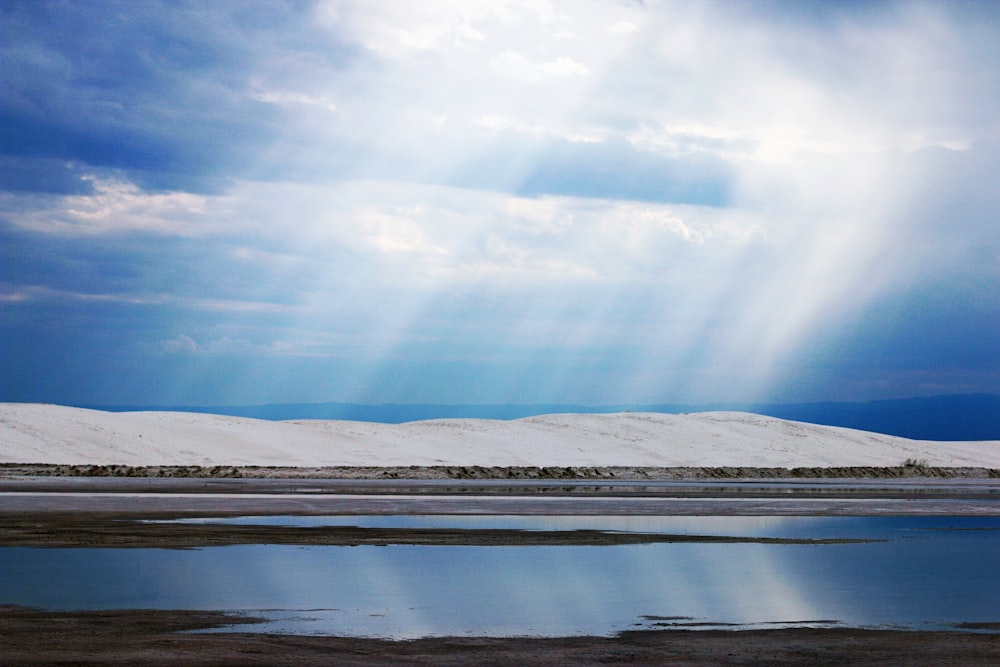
column 963, row 417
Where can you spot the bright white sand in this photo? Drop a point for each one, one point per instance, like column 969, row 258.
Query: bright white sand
column 32, row 433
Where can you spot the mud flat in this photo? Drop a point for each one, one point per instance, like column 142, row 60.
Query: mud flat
column 129, row 637
column 111, row 530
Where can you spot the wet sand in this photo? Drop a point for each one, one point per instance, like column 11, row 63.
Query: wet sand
column 54, row 511
column 67, row 530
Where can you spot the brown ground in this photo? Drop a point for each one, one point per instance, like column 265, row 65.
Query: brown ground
column 31, row 637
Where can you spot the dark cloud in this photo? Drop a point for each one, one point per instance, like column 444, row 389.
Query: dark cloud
column 155, row 90
column 163, row 93
column 43, row 175
column 144, row 268
column 930, row 339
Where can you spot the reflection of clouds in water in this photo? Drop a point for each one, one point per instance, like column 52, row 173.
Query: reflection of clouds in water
column 407, row 591
column 443, row 590
column 587, row 589
column 736, row 583
column 928, row 576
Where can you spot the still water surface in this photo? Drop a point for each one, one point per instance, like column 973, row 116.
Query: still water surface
column 925, row 572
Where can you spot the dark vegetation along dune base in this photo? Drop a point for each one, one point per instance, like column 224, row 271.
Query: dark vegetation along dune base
column 909, row 469
column 144, row 637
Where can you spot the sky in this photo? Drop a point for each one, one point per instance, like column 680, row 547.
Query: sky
column 465, row 201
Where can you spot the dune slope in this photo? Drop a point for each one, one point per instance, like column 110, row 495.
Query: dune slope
column 34, row 433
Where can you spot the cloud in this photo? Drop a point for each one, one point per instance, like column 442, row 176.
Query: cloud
column 180, row 345
column 185, row 345
column 115, row 206
column 668, row 200
column 284, row 98
column 134, row 86
column 516, row 67
column 622, row 28
column 398, row 29
column 45, row 175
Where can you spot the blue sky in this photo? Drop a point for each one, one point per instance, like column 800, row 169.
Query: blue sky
column 490, row 202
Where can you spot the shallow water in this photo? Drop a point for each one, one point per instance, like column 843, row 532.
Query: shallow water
column 929, row 572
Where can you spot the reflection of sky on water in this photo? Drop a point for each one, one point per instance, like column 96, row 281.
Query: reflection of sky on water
column 930, row 577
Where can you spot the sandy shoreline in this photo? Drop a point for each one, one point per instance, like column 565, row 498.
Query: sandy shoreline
column 140, row 498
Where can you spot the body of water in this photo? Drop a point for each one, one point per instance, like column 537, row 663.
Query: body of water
column 914, row 572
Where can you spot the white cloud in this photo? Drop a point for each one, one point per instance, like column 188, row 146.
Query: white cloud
column 399, row 28
column 286, row 98
column 516, row 67
column 115, row 206
column 622, row 28
column 396, row 234
column 187, row 345
column 588, row 134
column 423, row 233
column 181, row 345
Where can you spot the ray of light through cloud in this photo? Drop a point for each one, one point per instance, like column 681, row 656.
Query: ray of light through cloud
column 486, row 202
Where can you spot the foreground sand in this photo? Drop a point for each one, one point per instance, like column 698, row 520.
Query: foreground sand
column 129, row 637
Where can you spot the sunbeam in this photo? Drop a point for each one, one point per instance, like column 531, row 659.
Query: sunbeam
column 503, row 201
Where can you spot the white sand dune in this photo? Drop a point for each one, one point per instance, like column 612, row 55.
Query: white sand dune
column 33, row 433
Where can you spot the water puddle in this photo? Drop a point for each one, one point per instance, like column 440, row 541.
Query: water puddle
column 921, row 573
